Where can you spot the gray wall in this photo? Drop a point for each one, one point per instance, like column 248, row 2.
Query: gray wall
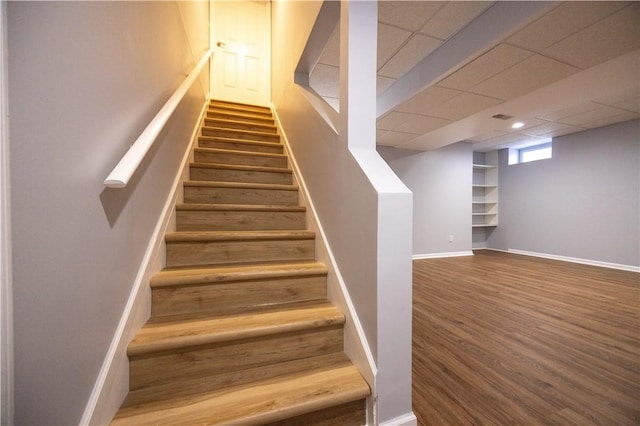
column 84, row 80
column 582, row 203
column 441, row 184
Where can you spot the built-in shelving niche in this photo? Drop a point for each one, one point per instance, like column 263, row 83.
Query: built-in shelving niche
column 484, row 202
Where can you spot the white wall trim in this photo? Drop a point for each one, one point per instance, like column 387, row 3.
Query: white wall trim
column 590, row 262
column 6, row 279
column 352, row 317
column 112, row 384
column 439, row 255
column 408, row 419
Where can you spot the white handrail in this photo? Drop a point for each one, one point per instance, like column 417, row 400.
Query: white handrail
column 120, row 175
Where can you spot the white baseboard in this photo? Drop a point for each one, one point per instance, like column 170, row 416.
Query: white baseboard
column 408, row 419
column 601, row 264
column 112, row 384
column 438, row 255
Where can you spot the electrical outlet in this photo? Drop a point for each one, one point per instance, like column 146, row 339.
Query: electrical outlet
column 450, row 238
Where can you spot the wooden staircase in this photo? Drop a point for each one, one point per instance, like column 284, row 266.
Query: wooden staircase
column 241, row 332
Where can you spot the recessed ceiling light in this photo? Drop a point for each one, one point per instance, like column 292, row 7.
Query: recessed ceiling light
column 517, row 125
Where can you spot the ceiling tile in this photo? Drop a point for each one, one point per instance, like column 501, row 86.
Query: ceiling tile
column 526, row 76
column 383, row 83
column 509, row 138
column 452, row 17
column 395, row 138
column 584, row 118
column 389, row 41
column 564, row 131
column 426, row 99
column 563, row 21
column 606, row 39
column 567, row 112
column 627, row 101
column 393, row 119
column 407, row 14
column 409, row 55
column 606, row 121
column 462, row 106
column 632, row 105
column 422, row 124
column 486, row 136
column 545, row 129
column 331, row 53
column 325, row 80
column 491, row 63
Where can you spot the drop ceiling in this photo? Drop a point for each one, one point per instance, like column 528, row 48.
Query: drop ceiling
column 560, row 68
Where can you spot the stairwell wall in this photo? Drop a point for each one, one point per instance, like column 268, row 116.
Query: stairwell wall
column 363, row 207
column 85, row 78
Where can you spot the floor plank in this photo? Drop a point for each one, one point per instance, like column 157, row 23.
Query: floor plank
column 501, row 339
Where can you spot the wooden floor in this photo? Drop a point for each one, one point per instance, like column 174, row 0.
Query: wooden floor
column 508, row 339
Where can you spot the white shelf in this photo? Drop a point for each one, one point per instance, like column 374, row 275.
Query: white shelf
column 484, row 184
column 476, row 185
column 483, row 166
column 484, row 214
column 484, row 202
column 483, row 225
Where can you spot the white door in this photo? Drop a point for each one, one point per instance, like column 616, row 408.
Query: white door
column 241, row 36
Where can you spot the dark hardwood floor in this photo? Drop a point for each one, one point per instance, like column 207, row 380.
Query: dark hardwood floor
column 508, row 339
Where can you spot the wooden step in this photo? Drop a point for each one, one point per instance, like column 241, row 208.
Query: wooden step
column 239, row 193
column 192, row 384
column 240, row 124
column 252, row 135
column 233, row 173
column 236, row 217
column 240, row 145
column 229, row 289
column 234, row 106
column 301, row 396
column 246, row 158
column 166, row 351
column 232, row 247
column 240, row 115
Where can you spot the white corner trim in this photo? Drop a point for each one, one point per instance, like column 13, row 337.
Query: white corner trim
column 360, row 335
column 116, row 360
column 439, row 255
column 408, row 419
column 6, row 276
column 590, row 262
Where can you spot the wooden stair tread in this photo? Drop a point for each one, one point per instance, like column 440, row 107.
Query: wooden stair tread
column 223, row 274
column 239, row 131
column 240, row 114
column 225, row 121
column 240, row 167
column 239, row 106
column 237, row 152
column 244, row 185
column 144, row 399
column 168, row 336
column 238, row 207
column 235, row 140
column 258, row 403
column 196, row 236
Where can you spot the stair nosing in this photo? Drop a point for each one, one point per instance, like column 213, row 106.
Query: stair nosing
column 170, row 336
column 241, row 131
column 240, row 207
column 212, row 236
column 228, row 121
column 234, row 273
column 245, row 185
column 233, row 140
column 241, row 167
column 239, row 152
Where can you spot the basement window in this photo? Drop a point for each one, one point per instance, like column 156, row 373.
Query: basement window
column 526, row 154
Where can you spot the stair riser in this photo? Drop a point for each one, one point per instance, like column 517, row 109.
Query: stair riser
column 248, row 196
column 227, row 298
column 222, row 358
column 246, row 116
column 238, row 220
column 240, row 159
column 221, row 252
column 240, row 146
column 237, row 134
column 242, row 109
column 246, row 176
column 350, row 414
column 240, row 125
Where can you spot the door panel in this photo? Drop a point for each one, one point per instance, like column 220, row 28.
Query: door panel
column 241, row 63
